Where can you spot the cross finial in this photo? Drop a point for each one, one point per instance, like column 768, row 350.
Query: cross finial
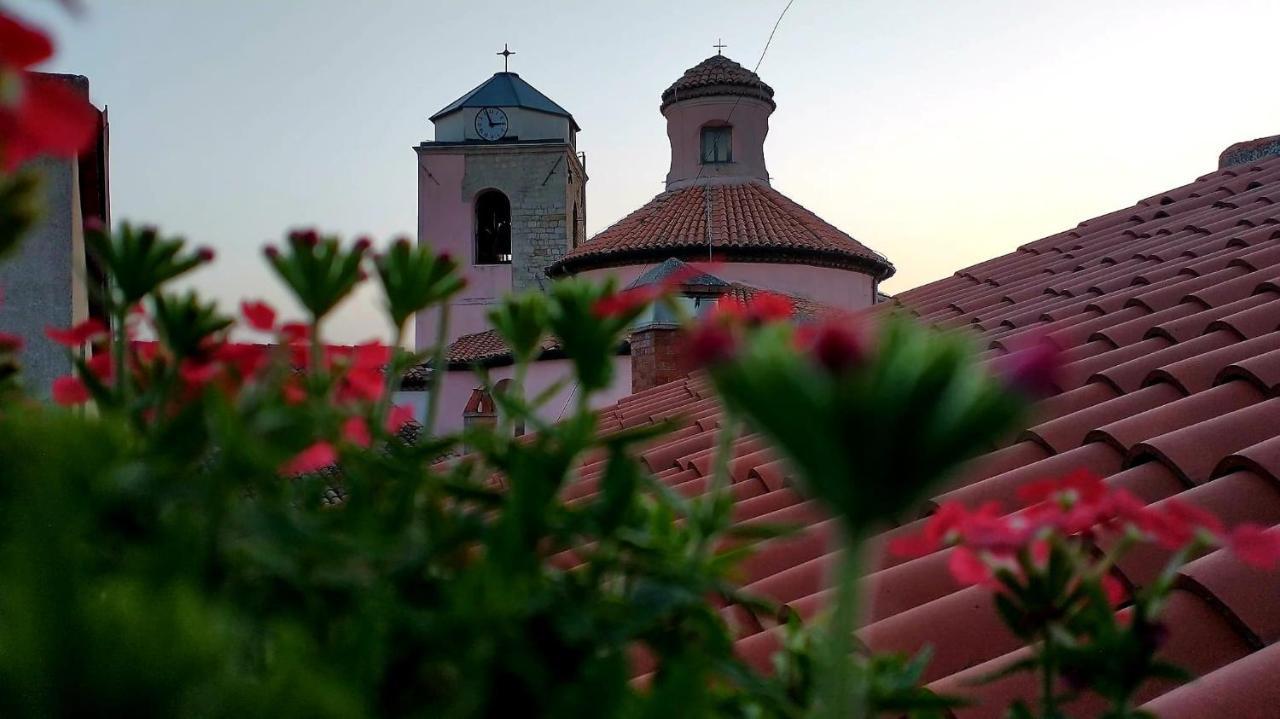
column 719, row 46
column 506, row 54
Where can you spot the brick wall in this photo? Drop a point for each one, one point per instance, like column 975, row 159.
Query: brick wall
column 657, row 357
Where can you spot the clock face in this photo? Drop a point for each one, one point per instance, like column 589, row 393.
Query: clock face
column 491, row 123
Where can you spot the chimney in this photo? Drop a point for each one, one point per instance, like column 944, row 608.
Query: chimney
column 480, row 410
column 657, row 355
column 658, row 344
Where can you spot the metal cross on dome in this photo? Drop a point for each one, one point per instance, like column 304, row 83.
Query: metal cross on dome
column 719, row 46
column 506, row 54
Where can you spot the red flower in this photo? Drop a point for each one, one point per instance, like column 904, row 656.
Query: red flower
column 197, row 374
column 69, row 391
column 363, row 383
column 769, row 307
column 100, row 366
column 295, row 332
column 837, row 346
column 371, row 355
column 356, row 431
column 293, row 392
column 622, row 303
column 38, row 114
column 260, row 315
column 312, row 459
column 9, row 342
column 711, row 343
column 1255, row 546
column 247, row 359
column 969, row 568
column 398, row 417
column 76, row 336
column 1114, row 589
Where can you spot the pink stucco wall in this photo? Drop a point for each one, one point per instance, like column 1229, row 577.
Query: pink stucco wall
column 749, row 118
column 843, row 289
column 445, row 223
column 459, row 383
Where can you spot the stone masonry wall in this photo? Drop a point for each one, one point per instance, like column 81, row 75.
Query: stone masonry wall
column 534, row 179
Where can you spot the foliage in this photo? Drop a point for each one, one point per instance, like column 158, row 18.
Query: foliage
column 211, row 527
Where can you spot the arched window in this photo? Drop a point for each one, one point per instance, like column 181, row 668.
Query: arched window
column 577, row 236
column 717, row 144
column 493, row 228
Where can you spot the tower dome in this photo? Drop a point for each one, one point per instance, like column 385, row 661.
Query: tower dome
column 719, row 203
column 717, row 76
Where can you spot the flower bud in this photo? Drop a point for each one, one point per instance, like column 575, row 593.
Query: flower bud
column 711, row 343
column 271, row 251
column 205, row 254
column 838, row 347
column 362, row 244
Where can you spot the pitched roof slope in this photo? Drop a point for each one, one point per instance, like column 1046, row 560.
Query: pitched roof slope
column 745, row 221
column 1168, row 314
column 506, row 89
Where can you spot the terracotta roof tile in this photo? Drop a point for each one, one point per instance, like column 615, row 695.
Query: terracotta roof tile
column 1169, row 316
column 717, row 75
column 747, row 220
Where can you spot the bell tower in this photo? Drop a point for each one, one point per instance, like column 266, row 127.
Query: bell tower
column 503, row 189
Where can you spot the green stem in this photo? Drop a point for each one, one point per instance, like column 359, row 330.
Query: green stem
column 1048, row 670
column 843, row 685
column 392, row 378
column 119, row 341
column 437, row 371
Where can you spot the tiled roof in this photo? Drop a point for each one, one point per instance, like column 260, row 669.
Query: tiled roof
column 489, row 347
column 742, row 221
column 486, row 346
column 717, row 75
column 1168, row 314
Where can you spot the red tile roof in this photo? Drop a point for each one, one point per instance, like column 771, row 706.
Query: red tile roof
column 748, row 221
column 1168, row 313
column 717, row 75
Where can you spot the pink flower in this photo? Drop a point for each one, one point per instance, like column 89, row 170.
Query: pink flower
column 77, row 335
column 969, row 568
column 260, row 315
column 398, row 417
column 1255, row 545
column 356, row 431
column 10, row 342
column 293, row 392
column 69, row 391
column 312, row 459
column 38, row 114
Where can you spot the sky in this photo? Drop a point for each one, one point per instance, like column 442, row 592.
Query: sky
column 938, row 132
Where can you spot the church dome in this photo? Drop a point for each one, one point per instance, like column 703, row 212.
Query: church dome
column 739, row 222
column 717, row 76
